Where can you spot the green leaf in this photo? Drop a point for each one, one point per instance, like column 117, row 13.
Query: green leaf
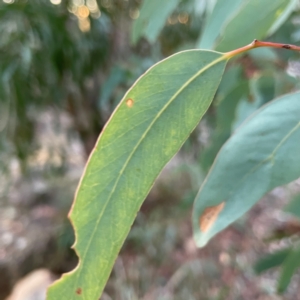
column 115, row 77
column 153, row 16
column 5, row 103
column 225, row 115
column 264, row 55
column 294, row 206
column 261, row 91
column 148, row 127
column 220, row 14
column 229, row 81
column 255, row 14
column 260, row 155
column 283, row 16
column 271, row 260
column 289, row 267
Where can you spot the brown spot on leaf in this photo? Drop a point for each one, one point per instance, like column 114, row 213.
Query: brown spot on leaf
column 129, row 102
column 209, row 216
column 79, row 291
column 251, row 98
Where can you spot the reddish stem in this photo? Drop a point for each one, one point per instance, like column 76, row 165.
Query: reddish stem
column 257, row 44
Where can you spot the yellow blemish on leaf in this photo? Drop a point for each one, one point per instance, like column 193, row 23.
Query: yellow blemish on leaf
column 209, row 216
column 129, row 102
column 279, row 12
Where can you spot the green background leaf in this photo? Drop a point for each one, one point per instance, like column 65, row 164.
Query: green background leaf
column 220, row 14
column 289, row 267
column 153, row 15
column 251, row 163
column 294, row 206
column 225, row 115
column 271, row 260
column 148, row 127
column 257, row 15
column 262, row 90
column 283, row 16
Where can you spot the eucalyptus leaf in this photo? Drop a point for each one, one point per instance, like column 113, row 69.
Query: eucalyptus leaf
column 262, row 154
column 294, row 206
column 152, row 17
column 216, row 20
column 283, row 16
column 271, row 260
column 255, row 14
column 261, row 91
column 114, row 79
column 225, row 115
column 289, row 267
column 145, row 131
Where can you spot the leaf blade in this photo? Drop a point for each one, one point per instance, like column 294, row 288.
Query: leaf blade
column 270, row 261
column 294, row 206
column 289, row 267
column 150, row 124
column 220, row 14
column 152, row 18
column 255, row 14
column 251, row 163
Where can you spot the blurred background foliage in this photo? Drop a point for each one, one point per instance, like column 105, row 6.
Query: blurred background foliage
column 64, row 66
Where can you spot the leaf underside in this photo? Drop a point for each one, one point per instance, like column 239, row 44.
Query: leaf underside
column 148, row 127
column 262, row 154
